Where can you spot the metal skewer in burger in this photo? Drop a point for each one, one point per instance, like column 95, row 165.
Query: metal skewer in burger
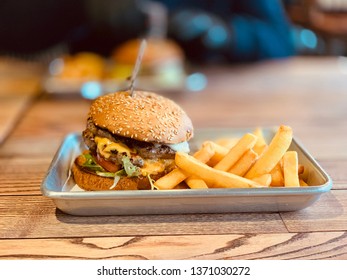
column 132, row 137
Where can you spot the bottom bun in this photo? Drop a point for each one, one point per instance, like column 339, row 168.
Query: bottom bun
column 93, row 182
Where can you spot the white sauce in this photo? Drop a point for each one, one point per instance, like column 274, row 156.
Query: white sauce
column 180, row 147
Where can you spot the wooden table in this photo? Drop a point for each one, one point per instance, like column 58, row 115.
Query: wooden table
column 309, row 94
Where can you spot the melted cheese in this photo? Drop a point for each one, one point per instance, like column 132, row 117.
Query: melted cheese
column 155, row 166
column 106, row 146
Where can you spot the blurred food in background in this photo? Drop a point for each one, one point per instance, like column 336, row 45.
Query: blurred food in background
column 163, row 61
column 223, row 31
column 84, row 65
column 246, row 30
column 67, row 74
column 319, row 26
column 163, row 68
column 94, row 47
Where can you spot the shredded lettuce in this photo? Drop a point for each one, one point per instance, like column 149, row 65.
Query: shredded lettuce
column 151, row 181
column 91, row 163
column 115, row 182
column 130, row 169
column 119, row 173
column 105, row 174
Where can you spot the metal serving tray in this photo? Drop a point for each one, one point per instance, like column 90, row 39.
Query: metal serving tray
column 59, row 186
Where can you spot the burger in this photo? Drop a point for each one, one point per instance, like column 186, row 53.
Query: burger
column 131, row 141
column 162, row 63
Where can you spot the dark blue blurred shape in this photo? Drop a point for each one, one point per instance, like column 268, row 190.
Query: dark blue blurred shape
column 245, row 30
column 208, row 30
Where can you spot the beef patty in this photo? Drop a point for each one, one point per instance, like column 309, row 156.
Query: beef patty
column 145, row 150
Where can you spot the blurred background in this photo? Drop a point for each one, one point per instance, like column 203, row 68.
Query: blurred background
column 89, row 46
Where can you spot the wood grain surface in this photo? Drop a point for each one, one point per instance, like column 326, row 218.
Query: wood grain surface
column 42, row 219
column 19, row 85
column 309, row 94
column 284, row 246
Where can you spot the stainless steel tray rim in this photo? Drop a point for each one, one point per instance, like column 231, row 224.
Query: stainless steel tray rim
column 141, row 194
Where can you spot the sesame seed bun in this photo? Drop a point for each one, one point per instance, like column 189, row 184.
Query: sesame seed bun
column 145, row 116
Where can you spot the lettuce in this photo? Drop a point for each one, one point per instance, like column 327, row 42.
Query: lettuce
column 106, row 174
column 130, row 169
column 91, row 164
column 151, row 181
column 119, row 173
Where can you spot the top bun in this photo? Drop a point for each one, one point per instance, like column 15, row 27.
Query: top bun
column 157, row 51
column 145, row 116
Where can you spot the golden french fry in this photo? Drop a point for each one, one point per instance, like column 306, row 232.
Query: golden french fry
column 214, row 178
column 290, row 169
column 277, row 176
column 195, row 182
column 259, row 133
column 227, row 142
column 260, row 145
column 263, row 180
column 219, row 152
column 273, row 154
column 205, row 153
column 170, row 180
column 245, row 143
column 259, row 150
column 176, row 176
column 241, row 167
column 216, row 166
column 302, row 183
column 304, row 174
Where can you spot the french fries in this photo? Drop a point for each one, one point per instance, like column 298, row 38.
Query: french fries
column 170, row 180
column 277, row 179
column 227, row 142
column 244, row 163
column 219, row 152
column 195, row 182
column 248, row 162
column 260, row 145
column 176, row 176
column 213, row 177
column 290, row 169
column 273, row 154
column 245, row 143
column 205, row 153
column 263, row 180
column 303, row 183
